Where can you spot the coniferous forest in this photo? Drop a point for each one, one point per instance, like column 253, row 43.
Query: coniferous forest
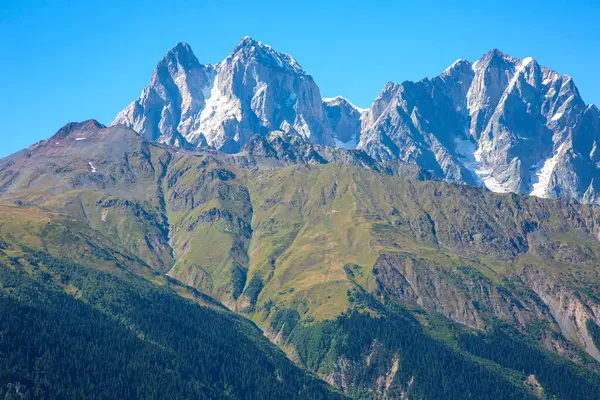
column 122, row 337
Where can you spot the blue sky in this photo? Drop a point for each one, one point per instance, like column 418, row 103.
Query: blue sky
column 67, row 61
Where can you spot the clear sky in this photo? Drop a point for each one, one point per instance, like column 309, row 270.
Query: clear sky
column 67, row 60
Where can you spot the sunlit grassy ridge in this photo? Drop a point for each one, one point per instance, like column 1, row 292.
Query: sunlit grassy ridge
column 27, row 229
column 309, row 223
column 215, row 225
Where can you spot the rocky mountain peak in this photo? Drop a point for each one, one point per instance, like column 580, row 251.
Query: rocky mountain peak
column 88, row 126
column 343, row 102
column 460, row 66
column 496, row 58
column 501, row 122
column 179, row 58
column 251, row 50
column 255, row 90
column 245, row 42
column 181, row 51
column 345, row 120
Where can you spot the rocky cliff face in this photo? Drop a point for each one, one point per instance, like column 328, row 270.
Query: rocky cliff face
column 507, row 124
column 464, row 295
column 281, row 148
column 345, row 119
column 570, row 310
column 169, row 108
column 503, row 123
column 254, row 90
column 419, row 123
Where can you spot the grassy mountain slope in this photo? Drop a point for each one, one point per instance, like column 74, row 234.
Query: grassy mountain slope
column 72, row 330
column 308, row 251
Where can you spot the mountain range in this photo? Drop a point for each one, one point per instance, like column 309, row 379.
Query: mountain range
column 503, row 123
column 234, row 235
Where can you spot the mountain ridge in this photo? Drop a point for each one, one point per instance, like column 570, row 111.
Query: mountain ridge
column 323, row 247
column 500, row 122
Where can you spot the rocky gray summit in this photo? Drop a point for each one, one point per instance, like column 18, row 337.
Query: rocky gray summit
column 255, row 90
column 507, row 124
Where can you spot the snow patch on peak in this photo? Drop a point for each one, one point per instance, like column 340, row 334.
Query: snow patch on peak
column 526, row 61
column 520, row 70
column 454, row 64
column 491, row 183
column 340, row 99
column 253, row 46
column 245, row 41
column 485, row 176
column 470, row 157
column 544, row 174
column 218, row 108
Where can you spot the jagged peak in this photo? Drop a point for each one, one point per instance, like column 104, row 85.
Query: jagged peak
column 180, row 55
column 457, row 68
column 495, row 57
column 389, row 86
column 567, row 81
column 496, row 53
column 181, row 47
column 246, row 41
column 388, row 91
column 458, row 64
column 250, row 48
column 337, row 100
column 592, row 108
column 526, row 64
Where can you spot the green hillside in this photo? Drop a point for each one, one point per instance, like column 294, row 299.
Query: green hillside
column 383, row 286
column 70, row 331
